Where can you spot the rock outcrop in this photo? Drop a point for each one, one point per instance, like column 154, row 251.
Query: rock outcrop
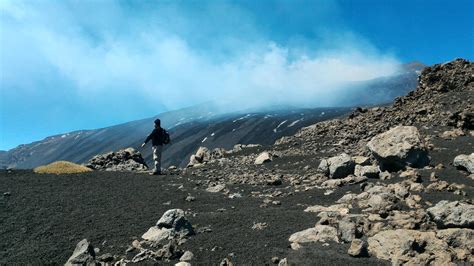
column 338, row 166
column 203, row 155
column 172, row 225
column 83, row 254
column 452, row 214
column 465, row 162
column 399, row 147
column 123, row 160
column 264, row 157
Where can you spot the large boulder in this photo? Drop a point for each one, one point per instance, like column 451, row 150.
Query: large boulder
column 452, row 214
column 409, row 246
column 338, row 166
column 264, row 157
column 321, row 233
column 83, row 254
column 123, row 160
column 461, row 241
column 172, row 225
column 465, row 162
column 370, row 171
column 399, row 147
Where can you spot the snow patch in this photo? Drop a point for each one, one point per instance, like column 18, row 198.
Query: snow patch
column 281, row 124
column 213, row 133
column 204, row 139
column 294, row 123
column 243, row 117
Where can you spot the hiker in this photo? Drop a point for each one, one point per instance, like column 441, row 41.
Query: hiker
column 158, row 137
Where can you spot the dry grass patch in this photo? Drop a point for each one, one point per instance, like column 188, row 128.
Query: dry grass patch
column 61, row 167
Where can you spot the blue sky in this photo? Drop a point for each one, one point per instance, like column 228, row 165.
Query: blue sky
column 70, row 65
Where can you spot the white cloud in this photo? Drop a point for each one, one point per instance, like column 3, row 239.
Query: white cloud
column 163, row 66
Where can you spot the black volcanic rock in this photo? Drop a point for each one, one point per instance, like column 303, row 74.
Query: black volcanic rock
column 124, row 160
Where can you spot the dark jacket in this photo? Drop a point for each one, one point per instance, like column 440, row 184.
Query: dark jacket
column 156, row 136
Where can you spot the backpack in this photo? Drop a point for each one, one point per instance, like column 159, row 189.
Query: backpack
column 166, row 137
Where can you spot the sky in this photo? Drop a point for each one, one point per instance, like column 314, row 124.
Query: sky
column 71, row 65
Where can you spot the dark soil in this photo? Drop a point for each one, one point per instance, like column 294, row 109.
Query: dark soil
column 46, row 215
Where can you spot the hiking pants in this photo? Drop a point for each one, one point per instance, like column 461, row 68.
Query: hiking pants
column 157, row 150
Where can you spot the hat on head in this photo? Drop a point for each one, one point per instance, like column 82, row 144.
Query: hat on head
column 157, row 122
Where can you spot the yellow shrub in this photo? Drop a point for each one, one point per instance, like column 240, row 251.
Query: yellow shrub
column 61, row 167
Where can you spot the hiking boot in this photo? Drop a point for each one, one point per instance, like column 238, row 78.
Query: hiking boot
column 155, row 173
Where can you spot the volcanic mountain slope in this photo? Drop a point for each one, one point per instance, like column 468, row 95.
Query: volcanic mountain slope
column 443, row 101
column 210, row 130
column 204, row 126
column 391, row 206
column 290, row 203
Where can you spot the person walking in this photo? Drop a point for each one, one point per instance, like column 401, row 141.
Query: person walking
column 158, row 137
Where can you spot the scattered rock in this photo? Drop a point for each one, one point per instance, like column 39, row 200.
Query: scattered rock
column 465, row 162
column 361, row 160
column 370, row 171
column 216, row 188
column 187, row 256
column 409, row 246
column 283, row 262
column 399, row 147
column 338, row 166
column 83, row 254
column 172, row 225
column 342, row 209
column 107, row 257
column 264, row 157
column 358, row 248
column 452, row 214
column 321, row 233
column 226, row 262
column 183, row 263
column 203, row 155
column 190, row 198
column 259, row 226
column 452, row 134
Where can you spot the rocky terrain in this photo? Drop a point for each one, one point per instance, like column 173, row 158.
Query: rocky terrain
column 390, row 184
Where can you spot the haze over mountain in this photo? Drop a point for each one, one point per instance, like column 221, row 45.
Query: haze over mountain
column 110, row 62
column 210, row 125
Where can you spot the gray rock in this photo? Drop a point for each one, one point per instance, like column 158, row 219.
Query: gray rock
column 264, row 157
column 320, row 233
column 324, row 167
column 338, row 166
column 399, row 147
column 341, row 166
column 358, row 248
column 452, row 214
column 347, row 230
column 183, row 263
column 83, row 254
column 107, row 257
column 465, row 162
column 123, row 160
column 187, row 256
column 382, row 202
column 175, row 219
column 204, row 155
column 409, row 246
column 173, row 224
column 216, row 188
column 370, row 171
column 362, row 160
